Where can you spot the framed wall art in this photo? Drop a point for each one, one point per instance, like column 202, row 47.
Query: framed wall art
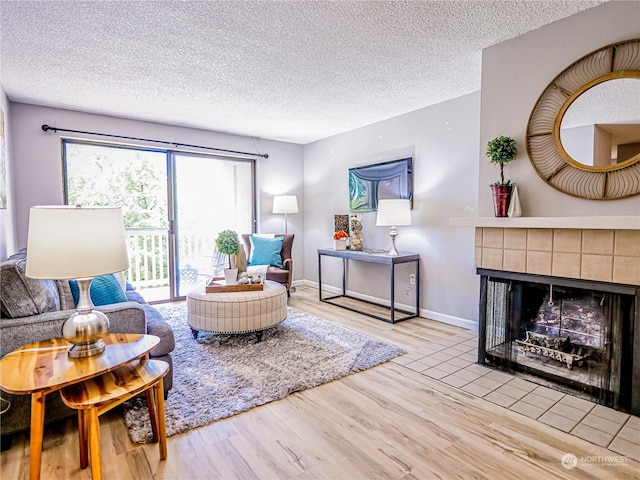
column 370, row 183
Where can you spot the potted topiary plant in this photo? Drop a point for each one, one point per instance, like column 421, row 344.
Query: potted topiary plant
column 228, row 244
column 502, row 150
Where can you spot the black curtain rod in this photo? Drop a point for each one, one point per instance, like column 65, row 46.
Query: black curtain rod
column 46, row 128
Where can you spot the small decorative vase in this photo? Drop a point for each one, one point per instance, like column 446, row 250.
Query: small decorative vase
column 501, row 199
column 515, row 209
column 355, row 233
column 241, row 260
column 230, row 276
column 340, row 244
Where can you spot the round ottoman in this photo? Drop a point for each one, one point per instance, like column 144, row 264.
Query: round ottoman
column 237, row 312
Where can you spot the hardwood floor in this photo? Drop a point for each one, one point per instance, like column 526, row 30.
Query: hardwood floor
column 387, row 422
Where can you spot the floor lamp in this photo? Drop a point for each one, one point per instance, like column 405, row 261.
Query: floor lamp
column 285, row 204
column 393, row 212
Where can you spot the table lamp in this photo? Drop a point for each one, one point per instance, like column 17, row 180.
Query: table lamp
column 77, row 243
column 285, row 204
column 393, row 212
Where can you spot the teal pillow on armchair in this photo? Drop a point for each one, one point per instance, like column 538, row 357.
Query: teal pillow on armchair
column 266, row 251
column 104, row 290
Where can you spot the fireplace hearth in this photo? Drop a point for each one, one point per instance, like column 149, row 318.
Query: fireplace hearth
column 577, row 336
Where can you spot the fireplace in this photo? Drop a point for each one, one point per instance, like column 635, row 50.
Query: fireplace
column 578, row 336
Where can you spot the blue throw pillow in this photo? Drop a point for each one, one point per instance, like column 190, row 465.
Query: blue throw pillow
column 104, row 290
column 266, row 251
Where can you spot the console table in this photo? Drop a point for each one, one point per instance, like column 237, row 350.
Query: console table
column 380, row 258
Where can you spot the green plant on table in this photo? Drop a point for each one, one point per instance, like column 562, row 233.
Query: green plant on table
column 228, row 243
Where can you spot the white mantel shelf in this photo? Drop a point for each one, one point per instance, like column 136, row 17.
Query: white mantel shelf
column 595, row 223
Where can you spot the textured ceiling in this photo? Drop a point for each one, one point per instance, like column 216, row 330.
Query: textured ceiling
column 296, row 71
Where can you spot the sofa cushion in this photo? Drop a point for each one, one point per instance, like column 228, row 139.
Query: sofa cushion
column 65, row 295
column 23, row 296
column 266, row 251
column 121, row 280
column 105, row 290
column 134, row 296
column 158, row 326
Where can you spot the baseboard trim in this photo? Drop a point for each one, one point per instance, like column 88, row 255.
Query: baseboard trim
column 430, row 314
column 449, row 319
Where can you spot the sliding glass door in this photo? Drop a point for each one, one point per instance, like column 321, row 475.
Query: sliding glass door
column 174, row 204
column 136, row 180
column 210, row 194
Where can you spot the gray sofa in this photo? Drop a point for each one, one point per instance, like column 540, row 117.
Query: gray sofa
column 34, row 310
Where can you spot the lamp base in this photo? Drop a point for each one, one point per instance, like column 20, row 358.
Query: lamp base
column 84, row 330
column 393, row 233
column 83, row 350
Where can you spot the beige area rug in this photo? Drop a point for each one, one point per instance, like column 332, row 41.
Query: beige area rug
column 217, row 376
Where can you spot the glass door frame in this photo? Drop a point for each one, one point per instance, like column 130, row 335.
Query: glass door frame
column 174, row 227
column 64, row 141
column 170, row 158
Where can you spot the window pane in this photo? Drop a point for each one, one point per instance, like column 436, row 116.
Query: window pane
column 210, row 195
column 136, row 181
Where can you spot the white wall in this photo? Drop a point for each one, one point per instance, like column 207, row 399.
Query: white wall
column 7, row 216
column 444, row 142
column 38, row 163
column 515, row 73
column 602, row 143
column 579, row 143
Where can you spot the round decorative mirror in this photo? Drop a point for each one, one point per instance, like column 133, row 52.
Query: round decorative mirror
column 583, row 136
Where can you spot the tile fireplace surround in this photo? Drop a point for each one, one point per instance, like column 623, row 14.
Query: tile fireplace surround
column 600, row 255
column 605, row 250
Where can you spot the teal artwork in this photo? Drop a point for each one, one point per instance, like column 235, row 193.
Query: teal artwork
column 358, row 194
column 370, row 183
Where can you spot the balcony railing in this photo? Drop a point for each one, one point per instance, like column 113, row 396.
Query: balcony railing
column 149, row 255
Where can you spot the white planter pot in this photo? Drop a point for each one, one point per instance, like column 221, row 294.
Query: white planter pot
column 230, row 276
column 340, row 244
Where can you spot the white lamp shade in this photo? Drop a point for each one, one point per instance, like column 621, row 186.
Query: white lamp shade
column 73, row 242
column 393, row 212
column 285, row 204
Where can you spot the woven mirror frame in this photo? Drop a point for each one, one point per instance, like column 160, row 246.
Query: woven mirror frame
column 546, row 152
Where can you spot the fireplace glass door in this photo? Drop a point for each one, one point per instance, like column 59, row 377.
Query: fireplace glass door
column 574, row 339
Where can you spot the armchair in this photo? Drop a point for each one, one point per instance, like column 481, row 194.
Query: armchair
column 282, row 275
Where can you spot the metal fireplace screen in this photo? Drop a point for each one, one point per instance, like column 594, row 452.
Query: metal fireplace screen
column 558, row 335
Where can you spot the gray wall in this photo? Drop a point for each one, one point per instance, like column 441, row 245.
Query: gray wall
column 444, row 142
column 515, row 73
column 38, row 163
column 7, row 216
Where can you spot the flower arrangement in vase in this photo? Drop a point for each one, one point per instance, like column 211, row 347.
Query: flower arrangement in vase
column 340, row 240
column 355, row 238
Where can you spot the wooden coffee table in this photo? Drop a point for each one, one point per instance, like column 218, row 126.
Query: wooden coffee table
column 43, row 367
